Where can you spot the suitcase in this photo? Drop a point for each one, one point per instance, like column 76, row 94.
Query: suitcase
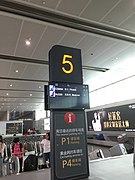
column 31, row 163
column 41, row 164
column 11, row 167
column 122, row 138
column 118, row 150
column 96, row 154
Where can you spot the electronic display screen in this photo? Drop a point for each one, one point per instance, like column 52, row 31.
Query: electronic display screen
column 68, row 96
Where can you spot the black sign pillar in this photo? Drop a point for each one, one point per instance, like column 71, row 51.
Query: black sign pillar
column 69, row 156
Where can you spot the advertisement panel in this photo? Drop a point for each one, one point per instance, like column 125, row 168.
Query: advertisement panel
column 119, row 118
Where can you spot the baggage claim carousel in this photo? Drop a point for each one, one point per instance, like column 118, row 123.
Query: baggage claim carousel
column 120, row 167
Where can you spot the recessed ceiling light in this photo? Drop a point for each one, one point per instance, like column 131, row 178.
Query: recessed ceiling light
column 24, row 99
column 39, row 87
column 7, row 94
column 28, row 41
column 30, row 94
column 116, row 58
column 16, row 71
column 11, row 85
column 43, row 2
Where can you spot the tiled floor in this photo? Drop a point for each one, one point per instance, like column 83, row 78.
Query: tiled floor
column 115, row 168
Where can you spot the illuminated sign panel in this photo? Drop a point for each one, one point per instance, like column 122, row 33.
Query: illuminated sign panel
column 119, row 118
column 68, row 96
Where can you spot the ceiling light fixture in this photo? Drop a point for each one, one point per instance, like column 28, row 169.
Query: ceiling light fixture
column 10, row 85
column 7, row 94
column 30, row 94
column 39, row 87
column 16, row 71
column 28, row 41
column 43, row 2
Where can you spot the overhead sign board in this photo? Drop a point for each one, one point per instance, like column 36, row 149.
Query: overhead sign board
column 65, row 65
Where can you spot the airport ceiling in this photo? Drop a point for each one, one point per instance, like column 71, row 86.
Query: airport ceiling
column 104, row 30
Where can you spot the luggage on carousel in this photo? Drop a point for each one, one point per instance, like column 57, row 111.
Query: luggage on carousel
column 122, row 138
column 31, row 163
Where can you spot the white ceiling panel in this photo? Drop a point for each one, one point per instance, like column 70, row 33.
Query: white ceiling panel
column 42, row 73
column 45, row 3
column 96, row 10
column 3, row 84
column 87, row 43
column 101, row 47
column 4, row 67
column 71, row 38
column 36, row 72
column 23, row 85
column 75, row 8
column 129, row 24
column 9, row 31
column 25, row 94
column 51, row 36
column 29, row 30
column 30, row 70
column 17, row 66
column 120, row 12
column 110, row 55
column 126, row 60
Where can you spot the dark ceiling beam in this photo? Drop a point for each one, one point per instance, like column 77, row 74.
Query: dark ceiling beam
column 29, row 11
column 21, row 79
column 9, row 97
column 1, row 102
column 22, row 90
column 43, row 62
column 23, row 60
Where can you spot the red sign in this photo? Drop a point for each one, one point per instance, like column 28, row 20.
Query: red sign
column 69, row 117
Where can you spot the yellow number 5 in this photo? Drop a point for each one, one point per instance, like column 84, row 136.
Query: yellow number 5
column 64, row 61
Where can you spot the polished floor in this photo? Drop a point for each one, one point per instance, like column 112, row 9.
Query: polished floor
column 115, row 168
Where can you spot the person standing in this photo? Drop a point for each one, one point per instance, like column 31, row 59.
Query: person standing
column 17, row 151
column 2, row 147
column 45, row 144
